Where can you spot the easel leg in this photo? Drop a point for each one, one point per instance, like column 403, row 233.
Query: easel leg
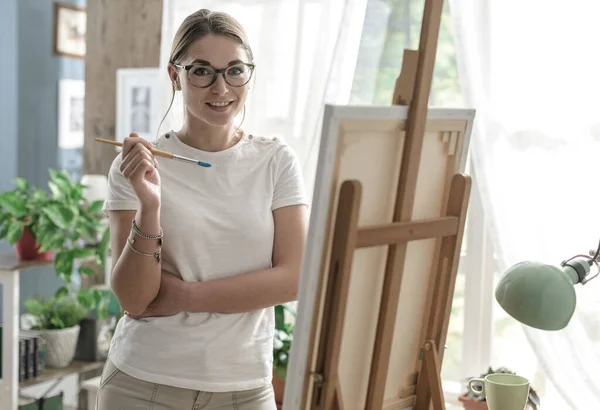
column 440, row 300
column 430, row 370
column 327, row 394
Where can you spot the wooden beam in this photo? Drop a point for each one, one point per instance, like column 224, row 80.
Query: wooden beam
column 397, row 232
column 415, row 130
column 405, row 83
column 119, row 34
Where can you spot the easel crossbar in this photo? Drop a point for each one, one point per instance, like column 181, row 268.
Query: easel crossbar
column 398, row 232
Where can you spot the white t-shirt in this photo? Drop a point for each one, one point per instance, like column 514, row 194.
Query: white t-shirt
column 217, row 222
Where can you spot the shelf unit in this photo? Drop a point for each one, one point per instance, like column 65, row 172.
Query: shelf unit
column 10, row 278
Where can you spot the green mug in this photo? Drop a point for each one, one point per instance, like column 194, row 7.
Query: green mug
column 502, row 391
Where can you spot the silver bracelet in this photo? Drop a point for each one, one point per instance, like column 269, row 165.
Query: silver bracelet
column 141, row 234
column 156, row 254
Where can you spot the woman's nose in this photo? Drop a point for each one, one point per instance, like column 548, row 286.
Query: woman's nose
column 220, row 86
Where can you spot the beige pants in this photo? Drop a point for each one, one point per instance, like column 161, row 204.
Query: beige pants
column 119, row 391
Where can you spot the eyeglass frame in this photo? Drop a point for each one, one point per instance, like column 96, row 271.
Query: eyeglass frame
column 218, row 71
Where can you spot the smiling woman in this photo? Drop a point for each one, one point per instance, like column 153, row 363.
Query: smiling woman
column 196, row 288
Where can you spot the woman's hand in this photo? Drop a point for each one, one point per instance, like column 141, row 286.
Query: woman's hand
column 140, row 168
column 169, row 300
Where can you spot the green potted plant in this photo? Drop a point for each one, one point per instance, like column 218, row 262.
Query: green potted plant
column 61, row 222
column 282, row 345
column 18, row 210
column 471, row 401
column 59, row 225
column 56, row 320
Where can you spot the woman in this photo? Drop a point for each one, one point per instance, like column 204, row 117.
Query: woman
column 201, row 255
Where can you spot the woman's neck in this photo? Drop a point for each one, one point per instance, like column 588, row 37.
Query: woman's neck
column 206, row 137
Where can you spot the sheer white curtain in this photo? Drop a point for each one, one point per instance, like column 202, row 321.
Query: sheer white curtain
column 305, row 52
column 532, row 70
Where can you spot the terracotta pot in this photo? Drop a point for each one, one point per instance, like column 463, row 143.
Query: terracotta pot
column 470, row 404
column 27, row 248
column 278, row 388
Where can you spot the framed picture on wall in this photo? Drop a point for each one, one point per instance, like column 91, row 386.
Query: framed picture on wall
column 69, row 30
column 71, row 96
column 137, row 93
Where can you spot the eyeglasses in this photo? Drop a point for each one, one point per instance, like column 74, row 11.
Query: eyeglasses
column 202, row 75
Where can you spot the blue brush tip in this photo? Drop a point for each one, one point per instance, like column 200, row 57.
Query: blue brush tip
column 204, row 164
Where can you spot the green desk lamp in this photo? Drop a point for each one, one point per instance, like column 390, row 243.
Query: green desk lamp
column 543, row 296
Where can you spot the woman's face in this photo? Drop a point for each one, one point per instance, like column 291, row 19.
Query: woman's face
column 219, row 103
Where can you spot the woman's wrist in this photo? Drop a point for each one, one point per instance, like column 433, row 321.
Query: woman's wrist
column 147, row 231
column 189, row 296
column 148, row 219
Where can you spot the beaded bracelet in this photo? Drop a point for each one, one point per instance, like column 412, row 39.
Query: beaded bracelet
column 141, row 234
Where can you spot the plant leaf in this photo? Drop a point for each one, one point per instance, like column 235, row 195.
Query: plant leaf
column 13, row 204
column 51, row 241
column 82, row 253
column 21, row 183
column 60, row 216
column 56, row 194
column 102, row 308
column 95, row 207
column 86, row 270
column 279, row 317
column 85, row 230
column 63, row 264
column 63, row 183
column 61, row 292
column 15, row 231
column 86, row 298
column 38, row 195
column 4, row 229
column 57, row 323
column 104, row 243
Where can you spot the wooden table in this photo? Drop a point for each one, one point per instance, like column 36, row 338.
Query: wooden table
column 10, row 271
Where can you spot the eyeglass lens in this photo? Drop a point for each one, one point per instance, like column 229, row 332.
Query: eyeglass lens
column 235, row 75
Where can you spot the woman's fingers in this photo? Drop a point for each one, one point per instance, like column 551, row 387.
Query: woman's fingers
column 140, row 170
column 135, row 157
column 132, row 141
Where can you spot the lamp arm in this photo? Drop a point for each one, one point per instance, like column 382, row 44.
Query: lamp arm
column 596, row 254
column 580, row 266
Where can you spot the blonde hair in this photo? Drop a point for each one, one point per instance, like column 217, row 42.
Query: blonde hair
column 197, row 25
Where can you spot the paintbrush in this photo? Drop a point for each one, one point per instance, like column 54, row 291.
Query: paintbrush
column 160, row 153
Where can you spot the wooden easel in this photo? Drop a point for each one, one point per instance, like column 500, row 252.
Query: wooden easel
column 412, row 89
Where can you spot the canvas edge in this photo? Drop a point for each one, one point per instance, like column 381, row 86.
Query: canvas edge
column 311, row 264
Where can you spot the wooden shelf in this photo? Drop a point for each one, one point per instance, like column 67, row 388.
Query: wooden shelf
column 76, row 367
column 10, row 262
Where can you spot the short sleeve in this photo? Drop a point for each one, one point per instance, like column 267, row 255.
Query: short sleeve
column 289, row 181
column 120, row 196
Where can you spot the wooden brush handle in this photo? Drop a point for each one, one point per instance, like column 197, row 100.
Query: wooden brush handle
column 156, row 152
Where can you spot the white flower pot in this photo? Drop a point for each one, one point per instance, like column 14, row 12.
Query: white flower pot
column 61, row 345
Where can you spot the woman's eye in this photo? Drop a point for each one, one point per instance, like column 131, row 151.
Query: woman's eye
column 235, row 71
column 201, row 71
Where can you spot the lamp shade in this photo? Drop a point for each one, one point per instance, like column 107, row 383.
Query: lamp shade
column 538, row 295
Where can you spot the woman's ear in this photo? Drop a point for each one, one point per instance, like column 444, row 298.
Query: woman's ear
column 174, row 76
